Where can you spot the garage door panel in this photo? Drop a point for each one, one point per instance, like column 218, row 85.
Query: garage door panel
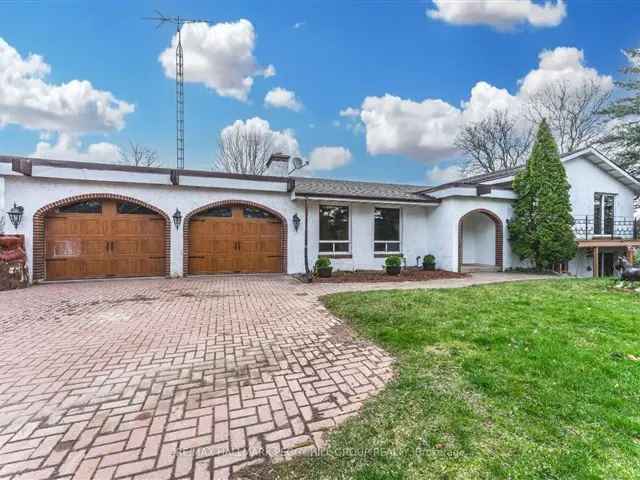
column 271, row 263
column 235, row 243
column 150, row 246
column 103, row 244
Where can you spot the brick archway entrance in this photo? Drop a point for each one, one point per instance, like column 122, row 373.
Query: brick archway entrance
column 119, row 234
column 234, row 236
column 497, row 260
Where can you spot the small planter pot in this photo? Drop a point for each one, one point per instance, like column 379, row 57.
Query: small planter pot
column 325, row 272
column 428, row 266
column 393, row 270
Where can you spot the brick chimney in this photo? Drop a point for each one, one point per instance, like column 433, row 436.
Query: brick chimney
column 278, row 165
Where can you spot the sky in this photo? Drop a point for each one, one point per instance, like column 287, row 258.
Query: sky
column 363, row 89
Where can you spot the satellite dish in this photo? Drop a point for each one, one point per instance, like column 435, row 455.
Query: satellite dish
column 298, row 163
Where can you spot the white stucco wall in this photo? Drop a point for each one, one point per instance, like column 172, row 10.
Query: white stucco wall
column 34, row 193
column 586, row 179
column 413, row 234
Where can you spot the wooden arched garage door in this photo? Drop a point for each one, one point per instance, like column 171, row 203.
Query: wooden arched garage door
column 235, row 239
column 102, row 238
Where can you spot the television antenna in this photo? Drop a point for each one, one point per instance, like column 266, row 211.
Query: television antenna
column 178, row 22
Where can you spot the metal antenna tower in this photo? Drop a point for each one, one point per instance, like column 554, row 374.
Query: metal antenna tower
column 178, row 22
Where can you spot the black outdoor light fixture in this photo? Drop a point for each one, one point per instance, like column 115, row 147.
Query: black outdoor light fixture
column 15, row 215
column 177, row 218
column 296, row 221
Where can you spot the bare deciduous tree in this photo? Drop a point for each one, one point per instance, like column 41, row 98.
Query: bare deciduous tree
column 244, row 150
column 494, row 143
column 572, row 112
column 139, row 155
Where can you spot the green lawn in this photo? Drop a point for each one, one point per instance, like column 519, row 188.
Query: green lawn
column 522, row 380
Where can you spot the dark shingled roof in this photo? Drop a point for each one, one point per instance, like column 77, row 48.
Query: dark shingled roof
column 307, row 186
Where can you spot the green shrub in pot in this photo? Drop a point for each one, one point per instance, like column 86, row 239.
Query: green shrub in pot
column 429, row 262
column 393, row 264
column 323, row 267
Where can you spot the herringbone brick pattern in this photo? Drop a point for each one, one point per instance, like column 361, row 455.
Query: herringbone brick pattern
column 177, row 379
column 161, row 379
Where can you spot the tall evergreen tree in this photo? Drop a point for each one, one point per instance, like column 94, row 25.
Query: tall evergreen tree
column 622, row 143
column 541, row 230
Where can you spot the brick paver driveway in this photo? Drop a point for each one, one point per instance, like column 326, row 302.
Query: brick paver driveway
column 189, row 378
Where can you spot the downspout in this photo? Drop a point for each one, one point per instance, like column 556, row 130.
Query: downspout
column 307, row 274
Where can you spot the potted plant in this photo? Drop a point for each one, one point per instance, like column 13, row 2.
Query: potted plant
column 393, row 265
column 323, row 267
column 429, row 262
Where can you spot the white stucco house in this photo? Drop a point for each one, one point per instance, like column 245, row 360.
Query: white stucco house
column 88, row 220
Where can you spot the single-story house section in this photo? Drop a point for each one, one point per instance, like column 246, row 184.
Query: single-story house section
column 88, row 220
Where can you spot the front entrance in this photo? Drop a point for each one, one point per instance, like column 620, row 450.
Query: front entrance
column 235, row 239
column 103, row 238
column 479, row 242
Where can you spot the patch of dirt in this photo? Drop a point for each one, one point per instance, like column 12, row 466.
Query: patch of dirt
column 340, row 334
column 411, row 274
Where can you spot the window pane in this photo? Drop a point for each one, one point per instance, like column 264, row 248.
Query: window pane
column 132, row 208
column 342, row 247
column 334, row 223
column 387, row 224
column 608, row 214
column 82, row 207
column 216, row 212
column 252, row 212
column 378, row 247
column 597, row 213
column 326, row 247
column 393, row 247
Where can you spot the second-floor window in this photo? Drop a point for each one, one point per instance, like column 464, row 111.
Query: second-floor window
column 603, row 213
column 386, row 235
column 334, row 230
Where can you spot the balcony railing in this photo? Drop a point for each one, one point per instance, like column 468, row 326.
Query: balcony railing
column 622, row 228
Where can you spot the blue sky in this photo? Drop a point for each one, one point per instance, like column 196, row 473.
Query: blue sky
column 341, row 54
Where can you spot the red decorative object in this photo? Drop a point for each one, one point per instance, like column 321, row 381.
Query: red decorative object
column 13, row 262
column 12, row 249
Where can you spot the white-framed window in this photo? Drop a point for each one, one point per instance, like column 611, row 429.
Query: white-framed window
column 386, row 230
column 334, row 230
column 603, row 213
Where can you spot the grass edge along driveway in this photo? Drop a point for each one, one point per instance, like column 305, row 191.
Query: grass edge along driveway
column 517, row 380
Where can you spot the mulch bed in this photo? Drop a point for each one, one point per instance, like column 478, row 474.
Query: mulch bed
column 374, row 276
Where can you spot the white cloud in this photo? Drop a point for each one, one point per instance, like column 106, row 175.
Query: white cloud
column 329, row 158
column 281, row 98
column 220, row 56
column 425, row 130
column 268, row 71
column 26, row 99
column 67, row 147
column 500, row 14
column 284, row 141
column 299, row 25
column 438, row 175
column 421, row 130
column 562, row 64
column 350, row 112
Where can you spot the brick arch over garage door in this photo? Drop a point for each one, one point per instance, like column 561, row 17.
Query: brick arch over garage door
column 499, row 236
column 233, row 203
column 39, row 244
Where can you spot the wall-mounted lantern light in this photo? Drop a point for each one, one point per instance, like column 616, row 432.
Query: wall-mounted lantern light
column 296, row 221
column 177, row 218
column 15, row 215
